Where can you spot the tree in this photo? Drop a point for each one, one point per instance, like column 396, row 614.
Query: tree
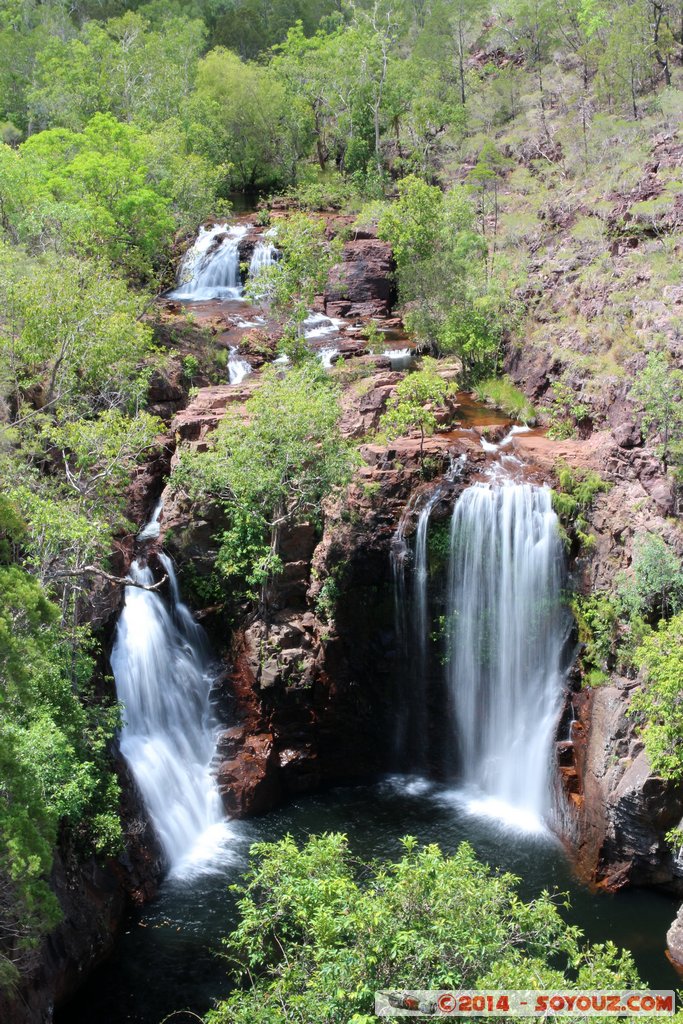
column 626, row 59
column 658, row 704
column 411, row 406
column 658, row 388
column 241, row 112
column 289, row 285
column 321, row 931
column 53, row 763
column 71, row 336
column 453, row 307
column 272, row 471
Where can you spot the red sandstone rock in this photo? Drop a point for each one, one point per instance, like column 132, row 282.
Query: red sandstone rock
column 362, row 284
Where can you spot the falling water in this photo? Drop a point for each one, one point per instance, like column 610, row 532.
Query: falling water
column 162, row 676
column 238, row 368
column 420, row 574
column 508, row 633
column 327, row 356
column 211, row 268
column 263, row 256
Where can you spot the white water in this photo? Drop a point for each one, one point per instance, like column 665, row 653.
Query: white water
column 317, row 325
column 420, row 576
column 400, row 358
column 162, row 676
column 211, row 268
column 507, row 637
column 327, row 356
column 238, row 368
column 263, row 256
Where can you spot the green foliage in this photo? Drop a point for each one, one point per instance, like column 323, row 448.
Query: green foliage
column 411, row 406
column 442, row 275
column 654, row 587
column 320, row 933
column 658, row 703
column 597, row 618
column 565, row 410
column 273, row 471
column 573, row 499
column 658, row 387
column 240, row 109
column 52, row 761
column 502, row 393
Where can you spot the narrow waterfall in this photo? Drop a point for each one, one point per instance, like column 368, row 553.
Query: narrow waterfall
column 211, row 268
column 161, row 670
column 263, row 256
column 508, row 630
column 420, row 575
column 238, row 368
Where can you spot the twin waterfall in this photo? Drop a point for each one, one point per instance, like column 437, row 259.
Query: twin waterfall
column 161, row 669
column 210, row 269
column 505, row 636
column 508, row 630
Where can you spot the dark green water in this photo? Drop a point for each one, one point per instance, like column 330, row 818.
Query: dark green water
column 166, row 959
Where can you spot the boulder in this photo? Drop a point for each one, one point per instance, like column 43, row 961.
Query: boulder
column 674, row 940
column 362, row 284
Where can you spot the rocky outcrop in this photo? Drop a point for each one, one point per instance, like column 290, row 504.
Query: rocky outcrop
column 674, row 940
column 624, row 811
column 94, row 897
column 362, row 285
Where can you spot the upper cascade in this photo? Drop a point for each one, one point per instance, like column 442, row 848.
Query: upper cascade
column 210, row 269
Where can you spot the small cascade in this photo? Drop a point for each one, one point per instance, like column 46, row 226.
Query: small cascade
column 327, row 356
column 400, row 358
column 509, row 630
column 238, row 368
column 317, row 325
column 211, row 268
column 151, row 529
column 162, row 674
column 263, row 256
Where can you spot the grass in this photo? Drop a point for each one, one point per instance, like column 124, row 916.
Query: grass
column 502, row 393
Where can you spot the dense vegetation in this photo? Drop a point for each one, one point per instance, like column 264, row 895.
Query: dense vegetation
column 320, row 932
column 497, row 145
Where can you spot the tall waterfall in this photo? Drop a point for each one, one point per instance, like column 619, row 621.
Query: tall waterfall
column 508, row 631
column 161, row 670
column 211, row 268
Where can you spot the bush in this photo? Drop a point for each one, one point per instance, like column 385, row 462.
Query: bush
column 573, row 499
column 321, row 932
column 501, row 392
column 659, row 704
column 654, row 588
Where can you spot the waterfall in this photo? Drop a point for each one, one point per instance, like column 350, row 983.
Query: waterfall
column 161, row 670
column 238, row 368
column 508, row 630
column 420, row 574
column 211, row 268
column 263, row 256
column 327, row 356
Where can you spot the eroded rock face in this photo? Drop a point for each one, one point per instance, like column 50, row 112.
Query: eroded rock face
column 362, row 284
column 625, row 810
column 674, row 940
